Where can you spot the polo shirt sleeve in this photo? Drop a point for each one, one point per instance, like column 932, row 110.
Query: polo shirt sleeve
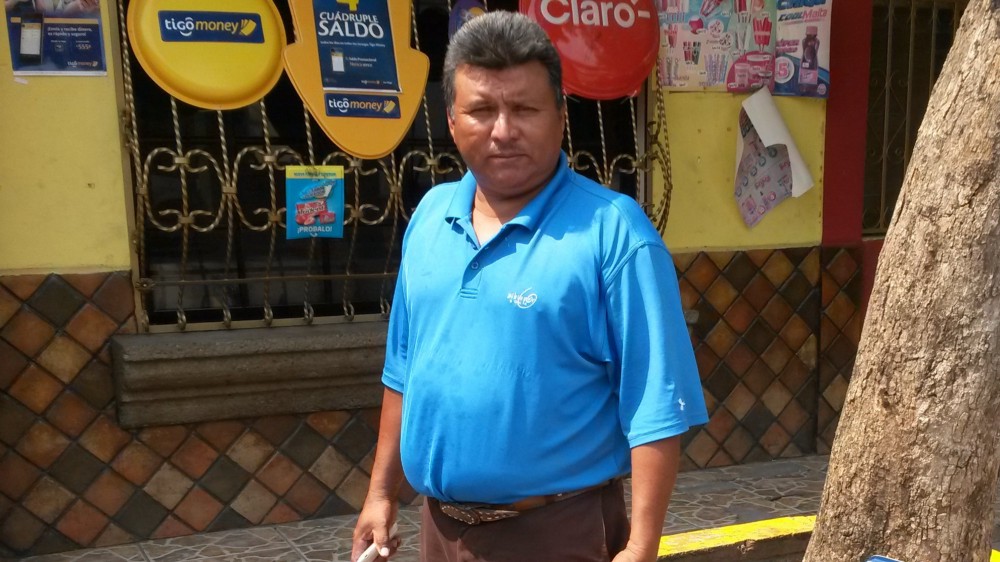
column 655, row 373
column 399, row 329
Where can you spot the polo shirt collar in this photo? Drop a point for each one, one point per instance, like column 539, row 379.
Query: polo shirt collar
column 530, row 215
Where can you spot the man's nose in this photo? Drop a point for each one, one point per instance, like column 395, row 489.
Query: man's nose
column 504, row 128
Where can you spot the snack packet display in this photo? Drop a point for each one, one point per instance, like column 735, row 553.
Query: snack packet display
column 314, row 202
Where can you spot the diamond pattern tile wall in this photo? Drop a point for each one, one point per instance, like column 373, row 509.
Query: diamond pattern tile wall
column 775, row 340
column 841, row 322
column 73, row 478
column 756, row 344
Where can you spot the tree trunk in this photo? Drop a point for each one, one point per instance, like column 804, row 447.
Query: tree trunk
column 914, row 466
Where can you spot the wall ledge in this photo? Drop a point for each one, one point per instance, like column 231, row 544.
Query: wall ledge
column 164, row 379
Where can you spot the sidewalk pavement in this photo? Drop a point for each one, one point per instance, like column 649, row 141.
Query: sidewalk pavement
column 702, row 499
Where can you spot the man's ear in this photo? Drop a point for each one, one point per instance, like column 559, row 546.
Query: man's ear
column 450, row 112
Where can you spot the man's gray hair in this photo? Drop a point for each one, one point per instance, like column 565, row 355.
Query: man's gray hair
column 500, row 40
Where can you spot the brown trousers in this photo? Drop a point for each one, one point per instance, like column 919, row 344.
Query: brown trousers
column 591, row 527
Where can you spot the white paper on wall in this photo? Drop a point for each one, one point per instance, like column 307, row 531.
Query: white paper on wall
column 769, row 167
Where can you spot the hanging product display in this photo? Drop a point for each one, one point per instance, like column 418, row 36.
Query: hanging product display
column 608, row 47
column 745, row 45
column 314, row 202
column 215, row 54
column 354, row 69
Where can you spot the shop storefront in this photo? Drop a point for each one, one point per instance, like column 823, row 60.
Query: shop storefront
column 174, row 359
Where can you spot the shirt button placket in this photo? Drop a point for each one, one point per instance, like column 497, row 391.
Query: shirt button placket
column 470, row 283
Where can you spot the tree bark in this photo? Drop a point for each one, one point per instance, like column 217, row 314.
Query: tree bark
column 914, row 467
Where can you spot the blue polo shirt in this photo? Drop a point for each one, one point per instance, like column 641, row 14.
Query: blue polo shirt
column 531, row 364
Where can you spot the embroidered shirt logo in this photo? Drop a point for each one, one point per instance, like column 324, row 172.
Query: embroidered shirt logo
column 526, row 299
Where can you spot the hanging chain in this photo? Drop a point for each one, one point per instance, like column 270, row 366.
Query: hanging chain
column 604, row 173
column 661, row 156
column 185, row 219
column 308, row 314
column 569, row 134
column 141, row 203
column 229, row 198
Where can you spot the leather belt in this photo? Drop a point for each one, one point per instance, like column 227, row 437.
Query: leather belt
column 476, row 513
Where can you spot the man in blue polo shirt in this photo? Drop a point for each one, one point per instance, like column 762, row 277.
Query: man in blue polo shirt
column 537, row 350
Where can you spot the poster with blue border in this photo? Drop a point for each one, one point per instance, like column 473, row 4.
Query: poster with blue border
column 55, row 37
column 354, row 38
column 314, row 202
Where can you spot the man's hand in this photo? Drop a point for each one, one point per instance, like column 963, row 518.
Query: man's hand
column 635, row 553
column 373, row 525
column 380, row 509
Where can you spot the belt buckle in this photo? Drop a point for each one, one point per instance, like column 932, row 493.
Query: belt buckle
column 466, row 515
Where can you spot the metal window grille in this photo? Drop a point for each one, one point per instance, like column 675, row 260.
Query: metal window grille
column 910, row 40
column 208, row 189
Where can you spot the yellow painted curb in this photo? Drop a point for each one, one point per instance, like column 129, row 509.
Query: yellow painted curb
column 705, row 539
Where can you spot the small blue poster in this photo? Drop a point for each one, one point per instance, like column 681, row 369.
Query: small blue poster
column 314, row 202
column 55, row 37
column 356, row 53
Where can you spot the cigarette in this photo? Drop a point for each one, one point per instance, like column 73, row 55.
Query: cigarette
column 371, row 553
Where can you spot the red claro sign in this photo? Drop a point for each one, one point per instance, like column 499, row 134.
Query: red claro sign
column 608, row 47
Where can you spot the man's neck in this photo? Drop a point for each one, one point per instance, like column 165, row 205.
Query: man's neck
column 489, row 214
column 485, row 221
column 501, row 209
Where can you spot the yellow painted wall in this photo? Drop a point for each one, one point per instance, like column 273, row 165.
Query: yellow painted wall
column 62, row 199
column 703, row 213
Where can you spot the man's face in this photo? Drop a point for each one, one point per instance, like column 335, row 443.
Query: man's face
column 507, row 127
